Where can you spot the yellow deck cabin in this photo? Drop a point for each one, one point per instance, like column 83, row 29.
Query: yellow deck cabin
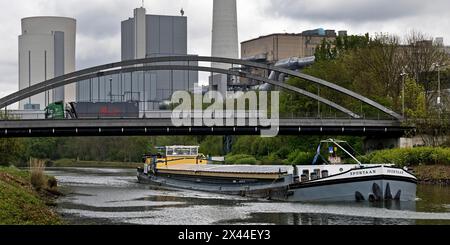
column 169, row 156
column 187, row 161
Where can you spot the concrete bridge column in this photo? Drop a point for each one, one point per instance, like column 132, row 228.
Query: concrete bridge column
column 228, row 144
column 376, row 143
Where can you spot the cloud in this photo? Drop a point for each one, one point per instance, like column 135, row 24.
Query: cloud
column 98, row 23
column 99, row 52
column 99, row 19
column 355, row 11
column 9, row 78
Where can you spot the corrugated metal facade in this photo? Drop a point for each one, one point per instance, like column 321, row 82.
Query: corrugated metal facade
column 58, row 93
column 128, row 39
column 165, row 36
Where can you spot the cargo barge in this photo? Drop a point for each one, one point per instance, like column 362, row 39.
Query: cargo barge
column 183, row 167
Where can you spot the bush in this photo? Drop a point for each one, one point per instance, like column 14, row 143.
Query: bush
column 300, row 157
column 240, row 159
column 212, row 145
column 52, row 183
column 283, row 152
column 37, row 177
column 304, row 158
column 248, row 160
column 272, row 159
column 410, row 157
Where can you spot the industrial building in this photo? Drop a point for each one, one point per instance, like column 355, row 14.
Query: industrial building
column 439, row 41
column 145, row 36
column 287, row 50
column 279, row 46
column 46, row 50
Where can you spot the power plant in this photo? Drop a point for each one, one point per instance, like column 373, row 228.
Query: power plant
column 145, row 36
column 46, row 50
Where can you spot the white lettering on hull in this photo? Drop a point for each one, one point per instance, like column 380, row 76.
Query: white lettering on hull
column 395, row 171
column 363, row 172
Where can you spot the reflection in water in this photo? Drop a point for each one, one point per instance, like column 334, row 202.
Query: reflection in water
column 322, row 219
column 113, row 196
column 433, row 198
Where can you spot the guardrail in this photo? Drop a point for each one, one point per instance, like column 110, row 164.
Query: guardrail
column 40, row 115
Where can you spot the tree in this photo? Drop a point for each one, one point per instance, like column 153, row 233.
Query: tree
column 42, row 148
column 212, row 145
column 331, row 50
column 420, row 54
column 378, row 67
column 415, row 101
column 11, row 151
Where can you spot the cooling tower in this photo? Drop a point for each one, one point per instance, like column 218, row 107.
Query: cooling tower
column 46, row 50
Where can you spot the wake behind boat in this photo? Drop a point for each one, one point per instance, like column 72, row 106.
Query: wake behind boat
column 183, row 167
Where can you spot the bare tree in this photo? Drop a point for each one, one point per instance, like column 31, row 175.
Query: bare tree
column 420, row 54
column 383, row 62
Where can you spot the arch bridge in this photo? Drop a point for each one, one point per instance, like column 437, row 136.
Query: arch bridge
column 354, row 124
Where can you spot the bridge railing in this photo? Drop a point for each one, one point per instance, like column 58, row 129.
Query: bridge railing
column 40, row 115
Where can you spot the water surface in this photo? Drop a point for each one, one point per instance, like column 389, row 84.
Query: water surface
column 113, row 196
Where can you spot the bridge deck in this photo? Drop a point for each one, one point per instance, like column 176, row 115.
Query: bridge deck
column 167, row 122
column 137, row 127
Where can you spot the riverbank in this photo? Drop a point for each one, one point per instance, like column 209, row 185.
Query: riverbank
column 62, row 163
column 431, row 165
column 432, row 174
column 22, row 204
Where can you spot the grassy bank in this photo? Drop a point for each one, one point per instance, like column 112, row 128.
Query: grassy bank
column 411, row 157
column 23, row 204
column 431, row 165
column 432, row 174
column 91, row 164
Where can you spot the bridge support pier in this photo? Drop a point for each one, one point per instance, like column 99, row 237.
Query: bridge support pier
column 227, row 144
column 377, row 143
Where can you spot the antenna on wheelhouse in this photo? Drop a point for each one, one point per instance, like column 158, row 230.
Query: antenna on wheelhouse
column 342, row 148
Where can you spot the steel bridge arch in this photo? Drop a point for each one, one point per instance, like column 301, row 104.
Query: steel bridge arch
column 140, row 65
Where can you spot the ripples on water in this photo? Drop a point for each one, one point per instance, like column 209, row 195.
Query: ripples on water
column 113, row 196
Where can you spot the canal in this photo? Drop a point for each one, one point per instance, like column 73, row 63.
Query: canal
column 113, row 196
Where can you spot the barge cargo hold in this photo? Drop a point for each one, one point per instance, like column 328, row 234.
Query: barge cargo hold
column 182, row 167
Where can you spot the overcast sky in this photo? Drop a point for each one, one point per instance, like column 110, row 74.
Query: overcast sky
column 98, row 23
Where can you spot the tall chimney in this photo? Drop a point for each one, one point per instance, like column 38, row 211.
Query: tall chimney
column 224, row 39
column 225, row 32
